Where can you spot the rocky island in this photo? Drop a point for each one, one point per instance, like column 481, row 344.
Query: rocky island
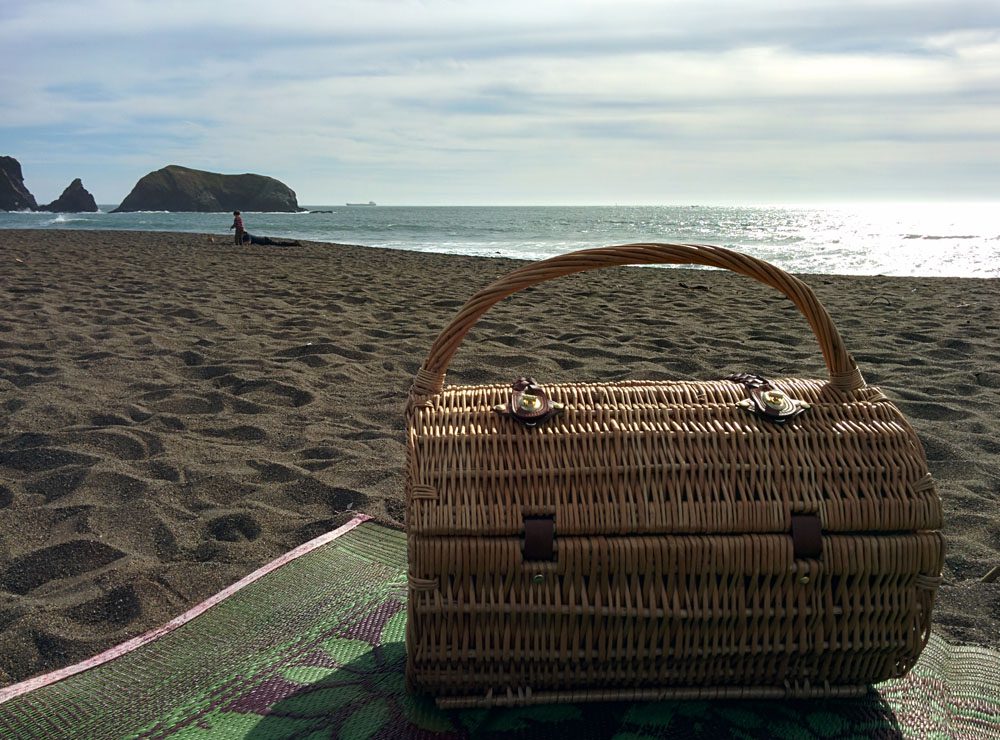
column 176, row 188
column 173, row 188
column 15, row 196
column 74, row 199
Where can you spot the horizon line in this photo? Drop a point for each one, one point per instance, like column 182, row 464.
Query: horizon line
column 678, row 204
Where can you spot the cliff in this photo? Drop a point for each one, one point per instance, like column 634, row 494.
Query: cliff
column 75, row 199
column 176, row 188
column 14, row 196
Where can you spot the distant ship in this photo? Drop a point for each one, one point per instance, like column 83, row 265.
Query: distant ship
column 369, row 203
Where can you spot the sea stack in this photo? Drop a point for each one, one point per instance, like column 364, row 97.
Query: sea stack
column 14, row 196
column 176, row 188
column 75, row 199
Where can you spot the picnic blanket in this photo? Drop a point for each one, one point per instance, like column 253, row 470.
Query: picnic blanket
column 311, row 646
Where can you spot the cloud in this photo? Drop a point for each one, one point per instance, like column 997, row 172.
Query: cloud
column 546, row 102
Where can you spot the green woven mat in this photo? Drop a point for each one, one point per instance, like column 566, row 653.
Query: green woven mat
column 314, row 650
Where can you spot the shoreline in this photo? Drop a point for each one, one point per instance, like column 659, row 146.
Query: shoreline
column 178, row 411
column 895, row 240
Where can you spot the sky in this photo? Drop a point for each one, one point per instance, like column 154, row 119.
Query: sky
column 444, row 102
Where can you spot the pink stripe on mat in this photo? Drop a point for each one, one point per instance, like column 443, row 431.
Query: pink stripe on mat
column 128, row 646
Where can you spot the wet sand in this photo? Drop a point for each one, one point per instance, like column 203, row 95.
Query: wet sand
column 176, row 411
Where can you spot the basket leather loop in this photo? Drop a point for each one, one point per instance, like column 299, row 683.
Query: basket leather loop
column 807, row 536
column 843, row 371
column 539, row 538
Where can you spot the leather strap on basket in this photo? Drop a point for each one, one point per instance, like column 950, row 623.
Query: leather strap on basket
column 539, row 538
column 807, row 536
column 843, row 371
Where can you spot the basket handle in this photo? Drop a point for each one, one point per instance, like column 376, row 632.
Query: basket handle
column 844, row 373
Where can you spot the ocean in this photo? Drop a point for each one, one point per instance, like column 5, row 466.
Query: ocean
column 961, row 240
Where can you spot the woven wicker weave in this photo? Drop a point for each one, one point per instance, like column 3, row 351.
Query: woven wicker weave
column 674, row 571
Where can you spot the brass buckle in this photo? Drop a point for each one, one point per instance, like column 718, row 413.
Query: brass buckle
column 529, row 403
column 766, row 401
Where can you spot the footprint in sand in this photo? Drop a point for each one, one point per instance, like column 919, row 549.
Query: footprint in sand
column 139, row 414
column 153, row 442
column 6, row 497
column 912, row 336
column 75, row 516
column 118, row 444
column 384, row 334
column 318, row 453
column 109, row 420
column 989, row 445
column 115, row 609
column 14, row 404
column 568, row 364
column 191, row 358
column 243, row 433
column 324, row 348
column 242, row 406
column 40, row 459
column 65, row 560
column 317, row 458
column 933, row 411
column 273, row 393
column 312, row 491
column 303, row 350
column 988, row 379
column 171, row 423
column 234, row 528
column 298, row 323
column 107, row 486
column 938, row 449
column 272, row 472
column 164, row 540
column 958, row 346
column 366, row 435
column 160, row 470
column 59, row 484
column 210, row 372
column 184, row 313
column 314, row 529
column 22, row 376
column 187, row 404
column 314, row 361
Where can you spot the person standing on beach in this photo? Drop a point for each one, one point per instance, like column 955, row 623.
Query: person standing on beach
column 238, row 225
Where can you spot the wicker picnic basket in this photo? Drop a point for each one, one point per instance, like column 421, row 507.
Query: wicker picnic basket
column 742, row 537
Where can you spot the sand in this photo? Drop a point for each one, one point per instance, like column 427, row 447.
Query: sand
column 176, row 411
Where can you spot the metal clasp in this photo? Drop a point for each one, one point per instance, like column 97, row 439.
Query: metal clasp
column 767, row 401
column 529, row 403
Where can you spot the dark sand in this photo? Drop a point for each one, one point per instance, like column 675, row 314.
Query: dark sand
column 176, row 411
